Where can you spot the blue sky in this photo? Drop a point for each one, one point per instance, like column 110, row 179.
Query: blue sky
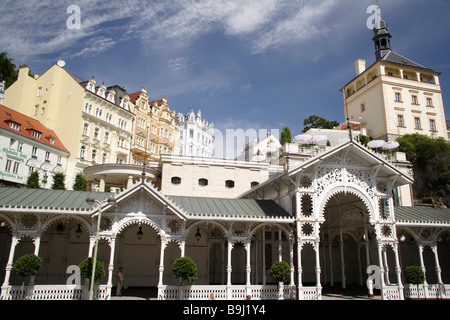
column 259, row 64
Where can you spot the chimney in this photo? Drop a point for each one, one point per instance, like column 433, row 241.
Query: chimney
column 360, row 66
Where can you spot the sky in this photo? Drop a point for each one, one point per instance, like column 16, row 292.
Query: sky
column 253, row 64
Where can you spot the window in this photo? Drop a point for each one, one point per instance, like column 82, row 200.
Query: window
column 8, row 165
column 20, row 146
column 33, row 152
column 400, row 120
column 398, row 97
column 16, row 167
column 39, row 93
column 36, row 110
column 191, row 133
column 202, row 182
column 94, row 155
column 47, row 156
column 229, row 184
column 36, row 134
column 432, row 125
column 417, row 123
column 96, row 133
column 86, row 129
column 104, row 158
column 12, row 144
column 254, row 184
column 82, row 152
column 363, row 107
column 14, row 126
column 414, row 100
column 429, row 102
column 106, row 137
column 176, row 180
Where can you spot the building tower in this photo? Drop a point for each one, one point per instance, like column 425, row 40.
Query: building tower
column 395, row 95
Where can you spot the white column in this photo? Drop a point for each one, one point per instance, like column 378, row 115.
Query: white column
column 316, row 249
column 438, row 267
column 280, row 246
column 14, row 241
column 291, row 260
column 161, row 262
column 229, row 268
column 37, row 244
column 386, row 266
column 112, row 245
column 183, row 247
column 421, row 263
column 249, row 267
column 380, row 262
column 398, row 271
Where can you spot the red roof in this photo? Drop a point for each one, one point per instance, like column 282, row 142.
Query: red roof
column 26, row 127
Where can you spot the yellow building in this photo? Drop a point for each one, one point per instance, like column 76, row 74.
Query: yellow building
column 154, row 128
column 95, row 123
column 394, row 96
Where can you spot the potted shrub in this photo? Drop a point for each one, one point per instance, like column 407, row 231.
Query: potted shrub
column 185, row 269
column 27, row 265
column 415, row 275
column 280, row 271
column 86, row 270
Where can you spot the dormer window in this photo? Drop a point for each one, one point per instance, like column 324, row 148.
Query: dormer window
column 36, row 134
column 14, row 126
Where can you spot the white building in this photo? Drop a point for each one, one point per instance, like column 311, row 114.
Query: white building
column 195, row 135
column 394, row 96
column 27, row 146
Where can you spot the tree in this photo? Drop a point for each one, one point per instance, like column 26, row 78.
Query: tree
column 33, row 181
column 280, row 271
column 8, row 71
column 58, row 181
column 318, row 122
column 185, row 269
column 285, row 136
column 86, row 269
column 27, row 265
column 430, row 158
column 80, row 182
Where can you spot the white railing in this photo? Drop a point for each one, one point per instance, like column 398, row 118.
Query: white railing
column 223, row 292
column 428, row 291
column 54, row 292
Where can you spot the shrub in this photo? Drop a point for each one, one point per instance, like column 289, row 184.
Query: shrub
column 27, row 265
column 414, row 275
column 280, row 271
column 86, row 269
column 185, row 269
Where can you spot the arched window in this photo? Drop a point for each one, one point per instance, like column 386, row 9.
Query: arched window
column 176, row 180
column 229, row 184
column 202, row 182
column 254, row 184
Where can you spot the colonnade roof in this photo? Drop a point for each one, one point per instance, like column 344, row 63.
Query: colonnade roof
column 230, row 208
column 46, row 199
column 423, row 215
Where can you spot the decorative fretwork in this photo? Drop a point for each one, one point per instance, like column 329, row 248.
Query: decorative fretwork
column 328, row 176
column 361, row 178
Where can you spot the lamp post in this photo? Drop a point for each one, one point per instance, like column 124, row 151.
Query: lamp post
column 91, row 201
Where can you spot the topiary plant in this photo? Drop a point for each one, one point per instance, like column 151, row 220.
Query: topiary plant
column 280, row 271
column 86, row 269
column 27, row 265
column 414, row 275
column 185, row 269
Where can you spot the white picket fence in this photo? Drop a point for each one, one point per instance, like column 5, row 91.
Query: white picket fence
column 236, row 292
column 54, row 292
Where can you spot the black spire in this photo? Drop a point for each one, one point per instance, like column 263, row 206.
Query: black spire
column 381, row 38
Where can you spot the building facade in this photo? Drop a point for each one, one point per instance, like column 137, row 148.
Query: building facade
column 94, row 123
column 394, row 96
column 154, row 128
column 332, row 219
column 195, row 136
column 27, row 146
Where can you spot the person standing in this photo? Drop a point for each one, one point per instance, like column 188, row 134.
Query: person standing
column 120, row 279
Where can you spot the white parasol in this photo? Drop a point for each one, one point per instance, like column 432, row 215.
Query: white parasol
column 376, row 144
